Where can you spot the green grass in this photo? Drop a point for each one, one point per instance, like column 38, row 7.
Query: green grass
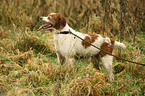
column 28, row 70
column 28, row 63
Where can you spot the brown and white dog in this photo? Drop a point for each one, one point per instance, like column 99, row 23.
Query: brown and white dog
column 67, row 45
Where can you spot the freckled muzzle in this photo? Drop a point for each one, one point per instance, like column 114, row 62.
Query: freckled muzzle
column 45, row 26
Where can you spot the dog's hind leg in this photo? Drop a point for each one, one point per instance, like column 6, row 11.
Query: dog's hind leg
column 107, row 62
column 95, row 60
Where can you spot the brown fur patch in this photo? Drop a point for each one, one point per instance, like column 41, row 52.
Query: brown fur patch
column 58, row 21
column 89, row 39
column 106, row 47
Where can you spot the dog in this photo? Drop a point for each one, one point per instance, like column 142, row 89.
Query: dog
column 67, row 45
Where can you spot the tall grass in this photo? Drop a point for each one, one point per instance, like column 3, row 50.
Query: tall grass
column 84, row 14
column 28, row 64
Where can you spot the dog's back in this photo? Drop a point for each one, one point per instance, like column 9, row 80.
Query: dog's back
column 67, row 45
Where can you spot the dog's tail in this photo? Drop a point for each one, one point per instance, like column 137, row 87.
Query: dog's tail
column 118, row 44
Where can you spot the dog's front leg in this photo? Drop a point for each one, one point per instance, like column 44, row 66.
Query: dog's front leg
column 60, row 58
column 71, row 67
column 70, row 61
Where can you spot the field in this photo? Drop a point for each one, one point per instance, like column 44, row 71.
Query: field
column 28, row 63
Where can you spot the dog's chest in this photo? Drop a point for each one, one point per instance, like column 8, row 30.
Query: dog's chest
column 66, row 42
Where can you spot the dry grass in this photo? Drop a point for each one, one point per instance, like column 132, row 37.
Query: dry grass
column 31, row 70
column 88, row 82
column 28, row 64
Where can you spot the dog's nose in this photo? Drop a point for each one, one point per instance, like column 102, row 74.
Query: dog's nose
column 41, row 18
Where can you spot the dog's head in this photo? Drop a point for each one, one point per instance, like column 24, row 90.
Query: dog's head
column 54, row 20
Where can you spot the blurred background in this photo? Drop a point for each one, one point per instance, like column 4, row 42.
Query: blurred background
column 124, row 17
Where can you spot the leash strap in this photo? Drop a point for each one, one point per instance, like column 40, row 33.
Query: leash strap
column 105, row 51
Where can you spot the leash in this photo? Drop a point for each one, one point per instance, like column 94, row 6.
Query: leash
column 105, row 51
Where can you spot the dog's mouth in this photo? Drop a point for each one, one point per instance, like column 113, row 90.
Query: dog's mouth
column 45, row 26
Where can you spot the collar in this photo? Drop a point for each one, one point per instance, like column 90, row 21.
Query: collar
column 64, row 32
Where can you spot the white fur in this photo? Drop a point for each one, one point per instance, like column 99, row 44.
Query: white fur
column 45, row 19
column 67, row 46
column 118, row 44
column 107, row 63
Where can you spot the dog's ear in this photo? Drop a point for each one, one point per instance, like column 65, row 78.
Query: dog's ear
column 60, row 22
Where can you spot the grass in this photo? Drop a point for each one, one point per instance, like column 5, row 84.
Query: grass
column 27, row 69
column 28, row 63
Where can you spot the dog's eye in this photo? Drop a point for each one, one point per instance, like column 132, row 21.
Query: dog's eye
column 48, row 18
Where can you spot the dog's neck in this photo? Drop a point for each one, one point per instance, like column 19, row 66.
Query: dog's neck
column 65, row 30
